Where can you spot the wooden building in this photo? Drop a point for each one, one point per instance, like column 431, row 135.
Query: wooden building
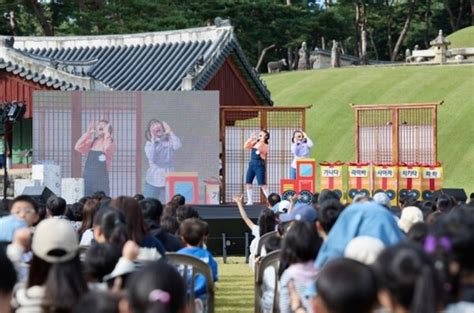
column 207, row 58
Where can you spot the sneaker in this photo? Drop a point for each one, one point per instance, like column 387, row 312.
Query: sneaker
column 249, row 203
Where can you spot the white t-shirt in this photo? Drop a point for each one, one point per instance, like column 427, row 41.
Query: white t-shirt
column 87, row 237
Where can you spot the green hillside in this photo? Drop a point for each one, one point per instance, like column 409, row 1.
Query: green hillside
column 330, row 121
column 462, row 38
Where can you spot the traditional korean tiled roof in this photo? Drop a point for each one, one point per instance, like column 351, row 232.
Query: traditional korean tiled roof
column 145, row 61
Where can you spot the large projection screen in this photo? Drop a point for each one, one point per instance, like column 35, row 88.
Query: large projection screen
column 128, row 142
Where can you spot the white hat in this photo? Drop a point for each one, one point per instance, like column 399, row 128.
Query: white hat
column 410, row 215
column 55, row 241
column 364, row 249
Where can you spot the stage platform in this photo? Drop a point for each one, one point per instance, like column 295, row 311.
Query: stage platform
column 227, row 211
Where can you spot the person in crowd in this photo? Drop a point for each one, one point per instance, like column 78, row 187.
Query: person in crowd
column 170, row 225
column 272, row 200
column 451, row 244
column 152, row 211
column 99, row 147
column 91, row 206
column 7, row 282
column 110, row 227
column 170, row 209
column 160, row 148
column 327, row 194
column 382, row 199
column 99, row 261
column 269, row 276
column 179, row 199
column 444, row 203
column 74, row 213
column 328, row 213
column 266, row 223
column 418, row 233
column 344, row 286
column 427, row 207
column 257, row 167
column 296, row 262
column 364, row 249
column 136, row 226
column 407, row 280
column 185, row 211
column 410, row 216
column 23, row 213
column 55, row 281
column 56, row 208
column 301, row 146
column 100, row 302
column 157, row 287
column 192, row 234
column 139, row 197
column 358, row 219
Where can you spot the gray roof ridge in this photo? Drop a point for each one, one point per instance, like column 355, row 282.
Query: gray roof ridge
column 49, row 73
column 170, row 36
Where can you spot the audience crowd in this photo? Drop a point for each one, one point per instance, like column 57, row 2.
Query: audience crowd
column 110, row 255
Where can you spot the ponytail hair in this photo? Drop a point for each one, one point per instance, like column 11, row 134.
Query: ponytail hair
column 408, row 274
column 112, row 223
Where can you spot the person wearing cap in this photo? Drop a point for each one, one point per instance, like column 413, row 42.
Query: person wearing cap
column 410, row 216
column 301, row 212
column 55, row 279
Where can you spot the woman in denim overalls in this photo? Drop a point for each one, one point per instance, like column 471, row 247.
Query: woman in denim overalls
column 259, row 149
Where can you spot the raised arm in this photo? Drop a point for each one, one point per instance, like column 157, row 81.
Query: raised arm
column 250, row 142
column 84, row 144
column 239, row 201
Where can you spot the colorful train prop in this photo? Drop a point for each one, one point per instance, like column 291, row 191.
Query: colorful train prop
column 398, row 181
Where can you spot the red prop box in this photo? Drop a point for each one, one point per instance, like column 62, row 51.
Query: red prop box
column 305, row 177
column 386, row 180
column 409, row 180
column 358, row 180
column 185, row 183
column 331, row 177
column 432, row 179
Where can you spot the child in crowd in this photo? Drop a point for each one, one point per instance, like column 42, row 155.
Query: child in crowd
column 55, row 281
column 23, row 213
column 296, row 262
column 345, row 286
column 157, row 287
column 407, row 280
column 86, row 234
column 266, row 223
column 192, row 234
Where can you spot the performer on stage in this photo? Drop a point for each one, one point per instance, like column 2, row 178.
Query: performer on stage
column 259, row 149
column 160, row 147
column 301, row 146
column 98, row 144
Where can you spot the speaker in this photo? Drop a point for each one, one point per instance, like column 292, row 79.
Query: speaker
column 40, row 194
column 458, row 193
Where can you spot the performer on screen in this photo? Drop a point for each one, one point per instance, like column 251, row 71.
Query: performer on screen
column 160, row 147
column 301, row 146
column 259, row 150
column 98, row 144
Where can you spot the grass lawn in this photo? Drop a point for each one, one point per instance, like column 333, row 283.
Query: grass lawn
column 330, row 121
column 234, row 292
column 463, row 38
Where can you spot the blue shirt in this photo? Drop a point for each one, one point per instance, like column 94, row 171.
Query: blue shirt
column 8, row 225
column 200, row 284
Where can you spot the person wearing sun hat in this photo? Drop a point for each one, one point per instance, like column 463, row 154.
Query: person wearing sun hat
column 55, row 279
